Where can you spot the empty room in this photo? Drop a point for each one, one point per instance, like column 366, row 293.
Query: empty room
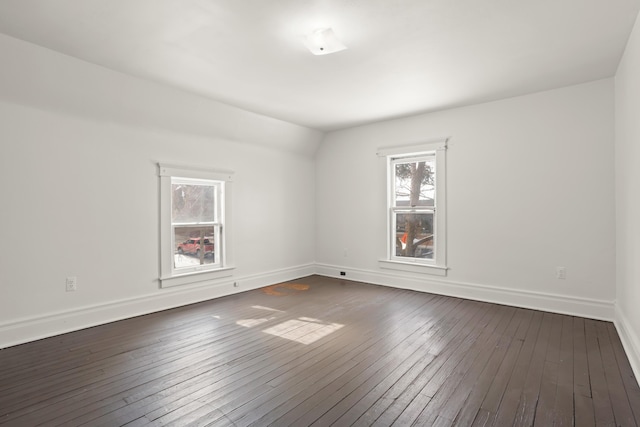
column 319, row 212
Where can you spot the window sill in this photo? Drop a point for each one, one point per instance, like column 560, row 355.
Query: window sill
column 413, row 267
column 195, row 277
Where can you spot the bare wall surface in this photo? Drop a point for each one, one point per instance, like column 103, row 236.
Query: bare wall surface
column 81, row 191
column 627, row 162
column 530, row 187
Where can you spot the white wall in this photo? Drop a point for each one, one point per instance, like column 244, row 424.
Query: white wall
column 627, row 161
column 530, row 188
column 79, row 148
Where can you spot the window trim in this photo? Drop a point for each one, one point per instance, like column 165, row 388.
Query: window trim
column 169, row 276
column 437, row 265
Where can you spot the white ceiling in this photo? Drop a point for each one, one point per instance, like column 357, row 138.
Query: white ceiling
column 403, row 57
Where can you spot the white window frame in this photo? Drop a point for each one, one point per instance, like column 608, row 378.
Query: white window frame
column 392, row 155
column 222, row 267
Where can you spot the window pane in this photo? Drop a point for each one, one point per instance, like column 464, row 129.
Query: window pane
column 414, row 182
column 414, row 235
column 194, row 246
column 192, row 203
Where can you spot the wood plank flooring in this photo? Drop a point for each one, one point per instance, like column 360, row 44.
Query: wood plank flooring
column 320, row 352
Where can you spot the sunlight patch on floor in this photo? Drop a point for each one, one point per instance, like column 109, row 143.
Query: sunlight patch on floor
column 303, row 330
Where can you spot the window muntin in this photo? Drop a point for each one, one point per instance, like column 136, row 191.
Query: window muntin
column 413, row 207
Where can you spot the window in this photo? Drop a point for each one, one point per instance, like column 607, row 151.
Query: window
column 196, row 223
column 194, row 233
column 416, row 239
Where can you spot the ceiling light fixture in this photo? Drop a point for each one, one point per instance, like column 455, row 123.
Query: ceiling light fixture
column 323, row 41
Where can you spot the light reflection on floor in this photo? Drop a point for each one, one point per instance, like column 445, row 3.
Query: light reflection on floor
column 261, row 307
column 304, row 330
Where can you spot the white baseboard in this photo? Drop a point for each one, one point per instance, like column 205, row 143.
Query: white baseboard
column 30, row 329
column 630, row 341
column 34, row 328
column 583, row 307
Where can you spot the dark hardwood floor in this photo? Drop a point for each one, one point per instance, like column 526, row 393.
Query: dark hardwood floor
column 320, row 351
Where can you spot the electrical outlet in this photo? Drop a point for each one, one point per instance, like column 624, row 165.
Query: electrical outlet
column 343, row 273
column 72, row 284
column 561, row 273
column 236, row 284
